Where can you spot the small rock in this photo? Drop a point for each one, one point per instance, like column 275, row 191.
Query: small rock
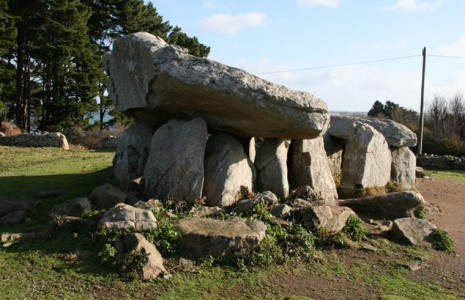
column 244, row 205
column 368, row 247
column 268, row 198
column 298, row 202
column 74, row 207
column 206, row 210
column 219, row 238
column 15, row 217
column 151, row 204
column 412, row 230
column 126, row 216
column 7, row 207
column 50, row 193
column 281, row 210
column 420, row 172
column 168, row 214
column 413, row 266
column 333, row 218
column 106, row 196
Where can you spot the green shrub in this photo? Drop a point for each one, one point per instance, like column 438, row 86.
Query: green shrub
column 355, row 229
column 440, row 240
column 420, row 212
column 164, row 237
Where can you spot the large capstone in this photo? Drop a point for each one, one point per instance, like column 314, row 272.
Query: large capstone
column 403, row 167
column 228, row 171
column 367, row 160
column 271, row 166
column 175, row 166
column 131, row 154
column 220, row 238
column 309, row 166
column 156, row 82
column 396, row 135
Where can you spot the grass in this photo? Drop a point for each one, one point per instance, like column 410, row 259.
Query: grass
column 67, row 267
column 451, row 174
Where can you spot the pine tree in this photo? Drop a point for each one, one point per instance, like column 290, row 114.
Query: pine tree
column 7, row 38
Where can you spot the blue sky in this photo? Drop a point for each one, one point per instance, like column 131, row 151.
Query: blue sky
column 262, row 36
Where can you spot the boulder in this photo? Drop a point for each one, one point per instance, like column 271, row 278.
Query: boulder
column 7, row 207
column 367, row 161
column 219, row 238
column 15, row 217
column 124, row 216
column 175, row 167
column 396, row 135
column 154, row 265
column 309, row 166
column 151, row 204
column 412, row 230
column 281, row 210
column 421, row 173
column 333, row 218
column 403, row 167
column 156, row 82
column 267, row 198
column 131, row 154
column 228, row 170
column 74, row 207
column 271, row 165
column 391, row 206
column 106, row 196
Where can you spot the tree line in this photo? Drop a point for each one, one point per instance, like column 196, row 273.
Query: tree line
column 444, row 125
column 51, row 73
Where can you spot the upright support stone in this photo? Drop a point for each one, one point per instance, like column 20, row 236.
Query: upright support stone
column 131, row 154
column 334, row 151
column 309, row 166
column 271, row 166
column 228, row 170
column 367, row 160
column 175, row 166
column 403, row 167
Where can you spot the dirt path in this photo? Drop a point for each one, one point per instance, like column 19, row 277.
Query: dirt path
column 445, row 270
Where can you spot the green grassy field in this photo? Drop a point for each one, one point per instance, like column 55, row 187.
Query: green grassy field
column 452, row 175
column 66, row 266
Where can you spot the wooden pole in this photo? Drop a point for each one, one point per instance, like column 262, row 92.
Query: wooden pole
column 420, row 138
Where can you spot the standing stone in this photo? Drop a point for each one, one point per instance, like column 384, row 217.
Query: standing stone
column 227, row 170
column 157, row 82
column 271, row 166
column 131, row 154
column 334, row 151
column 309, row 166
column 175, row 166
column 403, row 167
column 367, row 160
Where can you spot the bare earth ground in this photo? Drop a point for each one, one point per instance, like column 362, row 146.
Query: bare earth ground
column 443, row 269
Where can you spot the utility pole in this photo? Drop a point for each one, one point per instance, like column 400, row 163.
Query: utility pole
column 422, row 120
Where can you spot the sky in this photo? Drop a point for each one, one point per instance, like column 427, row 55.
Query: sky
column 265, row 36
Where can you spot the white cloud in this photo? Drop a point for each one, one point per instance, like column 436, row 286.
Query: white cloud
column 311, row 3
column 415, row 5
column 457, row 48
column 224, row 23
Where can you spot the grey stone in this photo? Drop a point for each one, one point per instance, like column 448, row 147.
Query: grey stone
column 175, row 167
column 412, row 230
column 403, row 167
column 154, row 266
column 131, row 154
column 15, row 217
column 151, row 204
column 7, row 207
column 220, row 238
column 106, row 196
column 267, row 197
column 157, row 82
column 334, row 151
column 396, row 135
column 227, row 170
column 124, row 216
column 367, row 160
column 75, row 207
column 392, row 205
column 271, row 166
column 333, row 218
column 245, row 204
column 309, row 166
column 281, row 210
column 420, row 172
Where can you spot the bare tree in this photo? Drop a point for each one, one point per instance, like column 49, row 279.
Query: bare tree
column 457, row 115
column 436, row 117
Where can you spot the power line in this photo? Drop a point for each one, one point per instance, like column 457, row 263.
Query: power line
column 341, row 65
column 447, row 56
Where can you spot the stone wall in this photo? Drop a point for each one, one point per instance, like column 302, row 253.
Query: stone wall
column 53, row 139
column 445, row 162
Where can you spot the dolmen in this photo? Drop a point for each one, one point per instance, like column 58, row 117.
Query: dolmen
column 209, row 131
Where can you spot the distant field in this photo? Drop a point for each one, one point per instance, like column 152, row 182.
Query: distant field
column 452, row 175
